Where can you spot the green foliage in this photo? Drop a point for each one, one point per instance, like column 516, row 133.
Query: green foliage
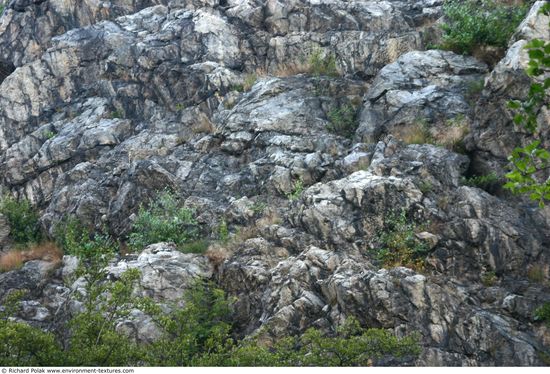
column 49, row 134
column 223, row 231
column 197, row 246
column 350, row 346
column 197, row 334
column 489, row 279
column 117, row 114
column 529, row 163
column 23, row 220
column 164, row 220
column 471, row 23
column 425, row 186
column 487, row 182
column 343, row 120
column 94, row 339
column 321, row 64
column 21, row 344
column 399, row 245
column 297, row 190
column 542, row 313
column 78, row 240
column 258, row 207
column 201, row 328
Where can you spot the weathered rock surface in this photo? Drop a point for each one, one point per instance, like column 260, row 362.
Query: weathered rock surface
column 112, row 101
column 494, row 135
column 426, row 87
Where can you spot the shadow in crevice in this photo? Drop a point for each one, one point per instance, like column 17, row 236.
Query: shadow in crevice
column 5, row 70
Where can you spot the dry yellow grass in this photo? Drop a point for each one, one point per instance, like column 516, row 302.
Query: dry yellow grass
column 14, row 259
column 415, row 133
column 11, row 260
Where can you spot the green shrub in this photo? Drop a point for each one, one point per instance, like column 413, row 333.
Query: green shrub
column 343, row 121
column 23, row 220
column 351, row 345
column 164, row 220
column 79, row 240
column 542, row 313
column 399, row 245
column 472, row 23
column 197, row 334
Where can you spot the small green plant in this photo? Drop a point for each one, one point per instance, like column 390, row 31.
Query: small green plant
column 223, row 231
column 321, row 64
column 258, row 207
column 489, row 278
column 297, row 190
column 179, row 107
column 49, row 134
column 489, row 182
column 237, row 87
column 343, row 121
column 471, row 24
column 117, row 114
column 164, row 220
column 398, row 244
column 249, row 81
column 425, row 186
column 23, row 220
column 542, row 313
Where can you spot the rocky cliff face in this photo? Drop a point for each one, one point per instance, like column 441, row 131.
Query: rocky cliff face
column 105, row 102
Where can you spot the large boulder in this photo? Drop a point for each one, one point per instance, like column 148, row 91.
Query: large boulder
column 420, row 87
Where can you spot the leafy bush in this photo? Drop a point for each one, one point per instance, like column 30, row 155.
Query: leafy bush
column 472, row 23
column 23, row 220
column 165, row 220
column 199, row 334
column 530, row 164
column 350, row 346
column 399, row 245
column 21, row 344
column 343, row 120
column 78, row 240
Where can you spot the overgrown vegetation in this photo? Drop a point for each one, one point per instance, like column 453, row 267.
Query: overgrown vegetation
column 398, row 244
column 343, row 120
column 471, row 24
column 23, row 220
column 199, row 334
column 163, row 220
column 530, row 164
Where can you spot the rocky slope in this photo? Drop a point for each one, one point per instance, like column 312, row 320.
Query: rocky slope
column 106, row 102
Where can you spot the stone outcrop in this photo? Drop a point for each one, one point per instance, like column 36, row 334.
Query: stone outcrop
column 113, row 101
